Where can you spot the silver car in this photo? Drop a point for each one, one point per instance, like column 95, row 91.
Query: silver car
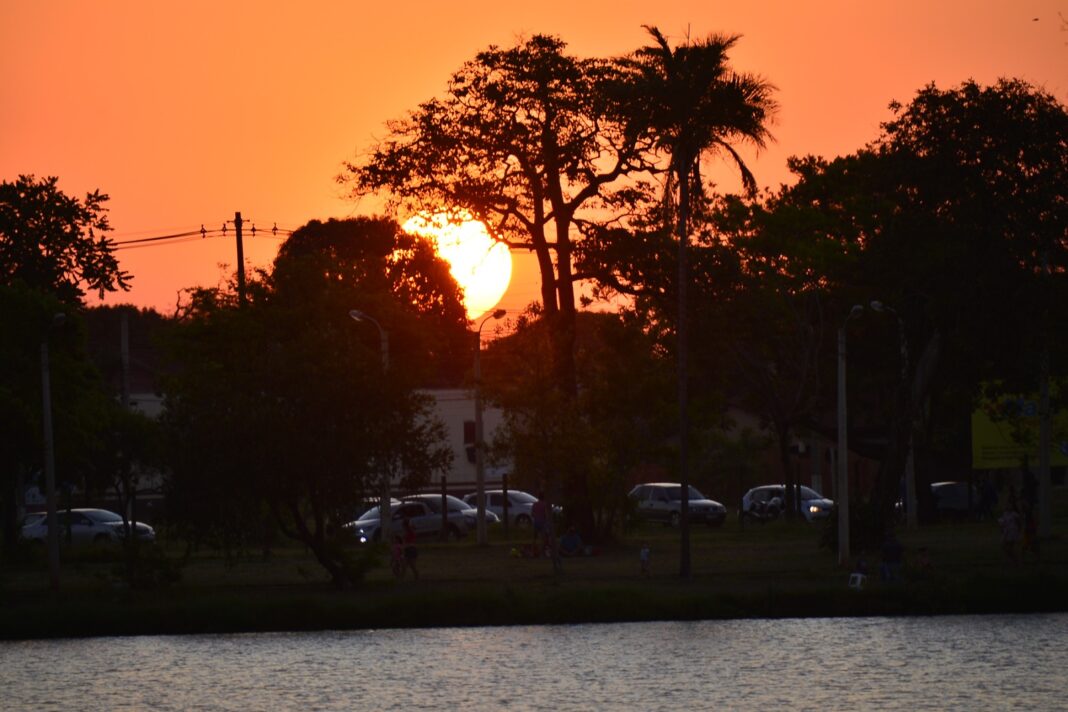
column 423, row 511
column 662, row 502
column 86, row 526
column 520, row 504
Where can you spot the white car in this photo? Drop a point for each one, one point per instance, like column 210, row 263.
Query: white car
column 87, row 526
column 424, row 513
column 520, row 504
column 768, row 501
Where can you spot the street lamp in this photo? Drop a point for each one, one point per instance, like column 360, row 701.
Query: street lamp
column 385, row 516
column 843, row 443
column 49, row 455
column 911, row 513
column 383, row 335
column 480, row 470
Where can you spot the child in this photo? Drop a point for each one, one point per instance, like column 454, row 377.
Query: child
column 643, row 557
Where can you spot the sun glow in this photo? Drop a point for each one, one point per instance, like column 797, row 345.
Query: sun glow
column 481, row 266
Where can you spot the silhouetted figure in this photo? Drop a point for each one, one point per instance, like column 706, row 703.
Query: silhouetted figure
column 571, row 543
column 1010, row 534
column 643, row 558
column 892, row 554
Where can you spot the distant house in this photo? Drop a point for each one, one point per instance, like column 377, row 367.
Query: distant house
column 455, row 407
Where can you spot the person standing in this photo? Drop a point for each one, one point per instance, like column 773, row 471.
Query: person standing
column 1010, row 534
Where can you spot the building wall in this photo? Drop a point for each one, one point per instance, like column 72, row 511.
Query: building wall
column 455, row 406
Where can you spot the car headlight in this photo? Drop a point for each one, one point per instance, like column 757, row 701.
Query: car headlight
column 814, row 509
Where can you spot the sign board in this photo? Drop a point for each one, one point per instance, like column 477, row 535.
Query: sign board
column 1005, row 432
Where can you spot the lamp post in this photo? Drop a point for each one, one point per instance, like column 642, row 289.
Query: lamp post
column 49, row 456
column 842, row 494
column 385, row 516
column 480, row 470
column 911, row 513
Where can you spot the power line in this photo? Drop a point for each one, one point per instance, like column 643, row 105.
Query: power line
column 161, row 237
column 192, row 235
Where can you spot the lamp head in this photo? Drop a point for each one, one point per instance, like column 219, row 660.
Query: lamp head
column 357, row 314
column 856, row 311
column 498, row 313
column 877, row 306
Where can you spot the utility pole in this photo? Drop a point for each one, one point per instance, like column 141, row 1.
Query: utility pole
column 124, row 351
column 238, row 222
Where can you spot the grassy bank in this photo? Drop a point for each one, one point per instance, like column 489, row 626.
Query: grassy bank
column 776, row 570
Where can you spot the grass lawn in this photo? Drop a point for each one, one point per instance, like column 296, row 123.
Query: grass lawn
column 772, row 570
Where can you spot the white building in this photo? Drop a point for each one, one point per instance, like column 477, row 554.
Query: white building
column 455, row 407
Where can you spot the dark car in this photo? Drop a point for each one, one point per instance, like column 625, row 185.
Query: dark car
column 951, row 498
column 662, row 502
column 767, row 501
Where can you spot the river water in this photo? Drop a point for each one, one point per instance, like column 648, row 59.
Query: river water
column 938, row 663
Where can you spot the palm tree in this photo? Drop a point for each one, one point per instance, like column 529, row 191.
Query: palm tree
column 694, row 105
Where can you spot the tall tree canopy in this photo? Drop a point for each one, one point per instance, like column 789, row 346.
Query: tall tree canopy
column 544, row 148
column 56, row 243
column 525, row 139
column 956, row 217
column 285, row 405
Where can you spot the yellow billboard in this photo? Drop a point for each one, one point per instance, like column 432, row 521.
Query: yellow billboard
column 1005, row 431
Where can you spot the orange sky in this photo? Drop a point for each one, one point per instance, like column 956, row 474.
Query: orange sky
column 187, row 112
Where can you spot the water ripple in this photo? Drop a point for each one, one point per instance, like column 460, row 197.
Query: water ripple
column 940, row 663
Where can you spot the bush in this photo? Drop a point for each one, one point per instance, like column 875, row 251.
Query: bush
column 147, row 566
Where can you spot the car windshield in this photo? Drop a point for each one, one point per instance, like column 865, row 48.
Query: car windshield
column 101, row 515
column 34, row 519
column 809, row 493
column 675, row 493
column 456, row 504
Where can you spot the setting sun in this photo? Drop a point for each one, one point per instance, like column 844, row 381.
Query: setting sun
column 482, row 267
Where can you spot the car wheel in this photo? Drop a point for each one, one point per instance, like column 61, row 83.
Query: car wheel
column 673, row 520
column 101, row 539
column 523, row 521
column 715, row 523
column 454, row 533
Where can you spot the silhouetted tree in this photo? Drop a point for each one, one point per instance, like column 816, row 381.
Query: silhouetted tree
column 956, row 216
column 285, row 406
column 56, row 243
column 528, row 140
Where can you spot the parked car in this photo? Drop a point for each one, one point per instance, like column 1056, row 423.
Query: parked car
column 950, row 500
column 662, row 501
column 424, row 513
column 456, row 506
column 520, row 504
column 767, row 502
column 87, row 526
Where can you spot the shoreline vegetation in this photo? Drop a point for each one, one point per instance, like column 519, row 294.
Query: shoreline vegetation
column 772, row 571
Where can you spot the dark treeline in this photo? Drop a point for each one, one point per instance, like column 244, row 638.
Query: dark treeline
column 282, row 415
